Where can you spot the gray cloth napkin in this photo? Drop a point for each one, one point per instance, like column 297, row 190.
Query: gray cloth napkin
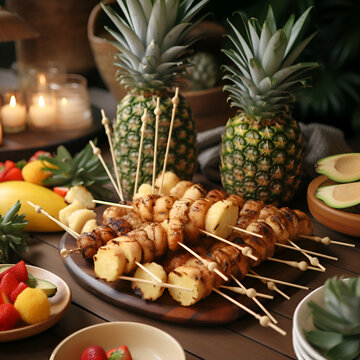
column 319, row 141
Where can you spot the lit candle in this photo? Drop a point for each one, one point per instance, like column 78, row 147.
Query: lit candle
column 73, row 112
column 42, row 114
column 13, row 116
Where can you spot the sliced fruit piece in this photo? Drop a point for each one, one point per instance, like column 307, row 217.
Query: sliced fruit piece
column 340, row 196
column 119, row 353
column 170, row 180
column 19, row 270
column 65, row 213
column 89, row 226
column 341, row 168
column 46, row 286
column 8, row 317
column 144, row 189
column 220, row 217
column 78, row 219
column 9, row 283
column 81, row 194
column 149, row 291
column 21, row 286
column 33, row 306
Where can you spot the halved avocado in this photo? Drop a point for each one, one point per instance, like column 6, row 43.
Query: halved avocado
column 341, row 168
column 340, row 196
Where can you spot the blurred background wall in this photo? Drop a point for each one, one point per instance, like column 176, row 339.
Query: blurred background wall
column 334, row 96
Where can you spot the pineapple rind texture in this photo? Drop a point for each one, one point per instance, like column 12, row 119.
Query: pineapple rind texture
column 182, row 158
column 262, row 160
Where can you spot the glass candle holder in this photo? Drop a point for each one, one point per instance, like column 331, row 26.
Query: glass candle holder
column 42, row 111
column 13, row 112
column 73, row 104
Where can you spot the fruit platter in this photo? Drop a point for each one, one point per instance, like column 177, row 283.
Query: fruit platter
column 33, row 304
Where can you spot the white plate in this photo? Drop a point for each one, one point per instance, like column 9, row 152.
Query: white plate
column 303, row 322
column 59, row 304
column 145, row 342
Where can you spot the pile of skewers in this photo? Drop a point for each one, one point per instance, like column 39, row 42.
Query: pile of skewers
column 200, row 240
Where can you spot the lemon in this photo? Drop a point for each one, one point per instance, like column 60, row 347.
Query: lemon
column 32, row 305
column 32, row 172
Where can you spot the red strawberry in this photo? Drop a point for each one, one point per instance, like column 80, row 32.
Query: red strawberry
column 17, row 291
column 4, row 299
column 94, row 352
column 8, row 317
column 119, row 353
column 19, row 270
column 38, row 153
column 8, row 284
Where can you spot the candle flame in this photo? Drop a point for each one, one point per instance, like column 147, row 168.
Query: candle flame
column 42, row 79
column 12, row 101
column 41, row 101
column 64, row 100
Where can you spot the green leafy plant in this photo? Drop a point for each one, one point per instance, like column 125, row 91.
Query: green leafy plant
column 12, row 236
column 338, row 333
column 82, row 169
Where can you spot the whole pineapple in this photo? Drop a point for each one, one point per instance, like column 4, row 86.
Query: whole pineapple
column 153, row 45
column 262, row 152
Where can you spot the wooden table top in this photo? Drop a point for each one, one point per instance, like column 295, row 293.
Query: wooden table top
column 244, row 338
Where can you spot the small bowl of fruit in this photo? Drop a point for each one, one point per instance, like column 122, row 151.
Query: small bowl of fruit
column 31, row 300
column 119, row 340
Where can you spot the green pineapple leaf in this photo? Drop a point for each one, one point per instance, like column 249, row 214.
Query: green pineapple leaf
column 82, row 169
column 12, row 236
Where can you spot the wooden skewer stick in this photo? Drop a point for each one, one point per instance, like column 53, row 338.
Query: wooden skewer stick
column 106, row 122
column 157, row 113
column 162, row 284
column 326, row 240
column 276, row 281
column 141, row 266
column 302, row 265
column 246, row 250
column 245, row 231
column 258, row 303
column 211, row 265
column 112, row 204
column 65, row 252
column 144, row 121
column 270, row 284
column 247, row 292
column 175, row 101
column 263, row 320
column 314, row 261
column 40, row 210
column 97, row 152
column 307, row 251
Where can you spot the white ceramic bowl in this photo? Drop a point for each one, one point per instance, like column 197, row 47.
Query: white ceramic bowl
column 303, row 321
column 145, row 342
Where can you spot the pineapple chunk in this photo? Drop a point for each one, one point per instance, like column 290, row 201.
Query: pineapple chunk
column 109, row 263
column 220, row 217
column 131, row 250
column 194, row 192
column 144, row 189
column 68, row 210
column 89, row 226
column 179, row 189
column 149, row 291
column 81, row 194
column 78, row 219
column 170, row 180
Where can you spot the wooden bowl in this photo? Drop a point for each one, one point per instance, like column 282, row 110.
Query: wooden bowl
column 341, row 221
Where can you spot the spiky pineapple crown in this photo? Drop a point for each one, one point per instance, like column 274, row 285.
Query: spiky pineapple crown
column 152, row 40
column 264, row 77
column 12, row 236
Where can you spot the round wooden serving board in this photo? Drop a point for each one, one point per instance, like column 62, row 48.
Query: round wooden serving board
column 213, row 310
